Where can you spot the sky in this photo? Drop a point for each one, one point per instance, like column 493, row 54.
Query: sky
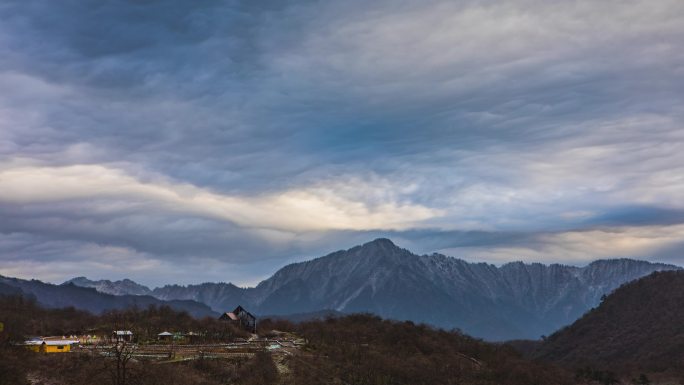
column 192, row 141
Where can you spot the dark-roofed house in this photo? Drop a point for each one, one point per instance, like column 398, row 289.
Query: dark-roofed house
column 122, row 336
column 241, row 317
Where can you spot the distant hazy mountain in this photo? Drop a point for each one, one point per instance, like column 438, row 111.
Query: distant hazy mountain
column 638, row 327
column 513, row 301
column 122, row 287
column 221, row 297
column 56, row 296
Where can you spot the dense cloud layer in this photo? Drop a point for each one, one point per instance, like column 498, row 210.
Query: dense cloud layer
column 217, row 140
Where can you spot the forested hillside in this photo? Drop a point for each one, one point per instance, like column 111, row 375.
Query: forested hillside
column 639, row 328
column 356, row 349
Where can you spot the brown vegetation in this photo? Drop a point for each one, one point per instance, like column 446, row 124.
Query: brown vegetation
column 364, row 349
column 22, row 318
column 636, row 330
column 358, row 349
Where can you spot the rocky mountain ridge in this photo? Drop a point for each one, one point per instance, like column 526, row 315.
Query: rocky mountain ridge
column 121, row 287
column 516, row 300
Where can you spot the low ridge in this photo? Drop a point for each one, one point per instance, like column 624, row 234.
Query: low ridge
column 71, row 295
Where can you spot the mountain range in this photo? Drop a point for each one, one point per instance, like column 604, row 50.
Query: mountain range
column 513, row 301
column 70, row 295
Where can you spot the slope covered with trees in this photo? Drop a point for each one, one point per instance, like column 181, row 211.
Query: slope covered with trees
column 639, row 328
column 364, row 349
column 356, row 349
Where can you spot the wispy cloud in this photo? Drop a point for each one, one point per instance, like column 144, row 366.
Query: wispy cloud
column 240, row 132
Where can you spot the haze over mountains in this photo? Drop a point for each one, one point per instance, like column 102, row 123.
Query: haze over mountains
column 513, row 301
column 69, row 295
column 122, row 287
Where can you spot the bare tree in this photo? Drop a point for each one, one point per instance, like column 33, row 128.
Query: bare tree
column 121, row 352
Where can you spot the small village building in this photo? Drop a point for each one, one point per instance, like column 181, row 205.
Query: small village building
column 241, row 317
column 192, row 337
column 122, row 336
column 90, row 339
column 46, row 345
column 165, row 336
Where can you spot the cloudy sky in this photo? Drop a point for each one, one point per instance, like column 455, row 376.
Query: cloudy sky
column 191, row 141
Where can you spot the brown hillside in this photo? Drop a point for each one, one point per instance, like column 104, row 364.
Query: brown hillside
column 364, row 349
column 639, row 327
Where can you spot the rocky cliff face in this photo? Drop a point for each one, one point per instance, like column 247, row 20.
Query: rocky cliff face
column 513, row 301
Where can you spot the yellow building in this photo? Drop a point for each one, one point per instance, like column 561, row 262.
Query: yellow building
column 50, row 346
